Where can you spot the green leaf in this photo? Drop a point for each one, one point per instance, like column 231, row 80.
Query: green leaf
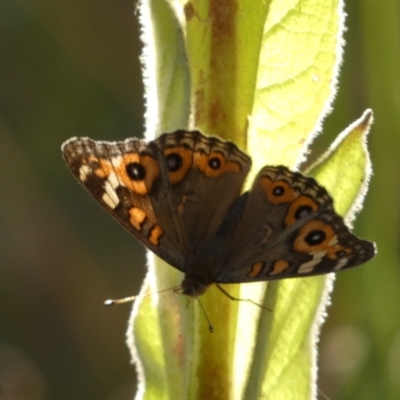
column 284, row 365
column 260, row 73
column 166, row 72
column 299, row 59
column 345, row 169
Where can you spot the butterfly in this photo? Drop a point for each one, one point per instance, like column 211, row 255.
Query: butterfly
column 180, row 195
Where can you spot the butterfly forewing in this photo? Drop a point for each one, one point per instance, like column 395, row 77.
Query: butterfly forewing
column 120, row 176
column 172, row 193
column 206, row 176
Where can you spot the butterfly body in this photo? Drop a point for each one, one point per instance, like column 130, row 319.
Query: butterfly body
column 180, row 196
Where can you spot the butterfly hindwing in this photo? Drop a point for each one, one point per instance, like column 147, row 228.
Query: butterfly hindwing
column 289, row 229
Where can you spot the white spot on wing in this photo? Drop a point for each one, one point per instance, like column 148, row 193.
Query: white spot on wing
column 110, row 197
column 116, row 161
column 114, row 181
column 342, row 262
column 84, row 171
column 333, row 241
column 309, row 265
column 108, row 200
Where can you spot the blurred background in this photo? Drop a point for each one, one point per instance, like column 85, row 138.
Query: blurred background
column 72, row 69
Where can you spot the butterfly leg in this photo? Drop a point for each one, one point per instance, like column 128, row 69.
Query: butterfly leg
column 237, row 299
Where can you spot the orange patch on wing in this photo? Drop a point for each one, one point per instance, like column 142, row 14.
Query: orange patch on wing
column 332, row 251
column 256, row 269
column 151, row 167
column 155, row 234
column 137, row 217
column 279, row 266
column 118, row 165
column 187, row 159
column 288, row 194
column 104, row 169
column 294, row 207
column 202, row 161
column 92, row 159
column 300, row 243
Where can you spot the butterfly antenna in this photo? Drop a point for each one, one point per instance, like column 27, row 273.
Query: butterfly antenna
column 210, row 327
column 323, row 394
column 111, row 302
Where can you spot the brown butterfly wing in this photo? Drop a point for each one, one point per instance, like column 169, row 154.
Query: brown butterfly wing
column 286, row 227
column 124, row 177
column 206, row 176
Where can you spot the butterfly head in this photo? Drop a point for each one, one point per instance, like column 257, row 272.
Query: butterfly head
column 194, row 285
